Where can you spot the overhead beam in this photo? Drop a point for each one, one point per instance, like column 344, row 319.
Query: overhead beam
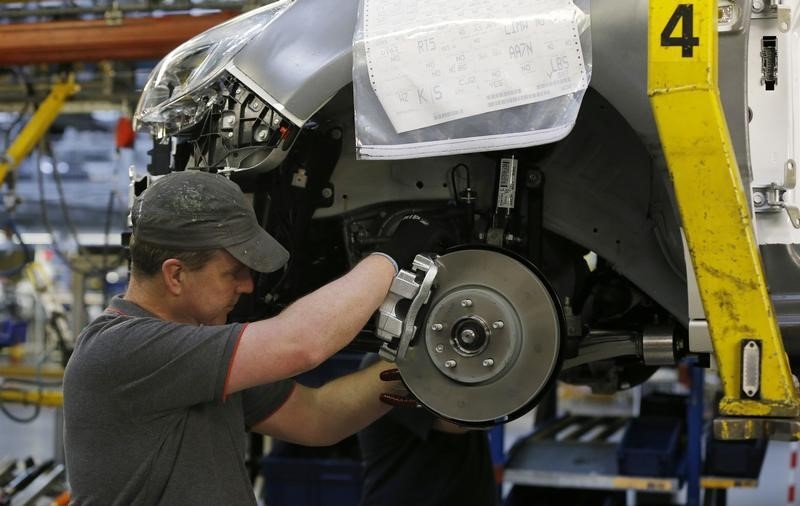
column 94, row 40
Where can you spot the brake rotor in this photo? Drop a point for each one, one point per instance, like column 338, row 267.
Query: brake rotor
column 490, row 344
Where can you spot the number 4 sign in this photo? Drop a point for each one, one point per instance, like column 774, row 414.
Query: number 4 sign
column 684, row 14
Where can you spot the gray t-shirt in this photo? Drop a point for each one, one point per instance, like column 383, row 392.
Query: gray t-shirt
column 146, row 418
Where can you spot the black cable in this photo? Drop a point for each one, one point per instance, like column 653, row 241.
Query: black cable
column 46, row 218
column 37, row 408
column 107, row 243
column 453, row 179
column 62, row 201
column 93, row 268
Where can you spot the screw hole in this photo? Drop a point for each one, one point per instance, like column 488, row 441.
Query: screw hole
column 420, row 185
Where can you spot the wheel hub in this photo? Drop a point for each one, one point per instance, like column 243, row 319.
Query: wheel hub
column 490, row 342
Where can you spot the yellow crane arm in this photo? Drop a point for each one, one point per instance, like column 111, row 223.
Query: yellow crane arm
column 38, row 125
column 759, row 395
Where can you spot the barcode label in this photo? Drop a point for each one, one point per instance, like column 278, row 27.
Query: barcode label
column 507, row 185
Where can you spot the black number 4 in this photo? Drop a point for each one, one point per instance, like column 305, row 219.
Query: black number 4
column 685, row 14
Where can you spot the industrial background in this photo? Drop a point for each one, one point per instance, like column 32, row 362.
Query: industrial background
column 652, row 397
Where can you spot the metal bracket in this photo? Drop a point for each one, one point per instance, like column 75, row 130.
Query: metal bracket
column 770, row 198
column 396, row 323
column 729, row 16
column 785, row 10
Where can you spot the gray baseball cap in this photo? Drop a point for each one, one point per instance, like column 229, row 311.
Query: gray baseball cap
column 196, row 211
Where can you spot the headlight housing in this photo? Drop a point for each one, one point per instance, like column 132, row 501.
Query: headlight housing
column 180, row 90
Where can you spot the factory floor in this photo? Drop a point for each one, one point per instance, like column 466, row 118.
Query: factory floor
column 37, row 440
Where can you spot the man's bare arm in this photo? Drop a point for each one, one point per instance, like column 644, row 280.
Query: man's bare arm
column 332, row 412
column 312, row 329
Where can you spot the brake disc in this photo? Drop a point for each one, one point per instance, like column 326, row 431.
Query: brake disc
column 490, row 342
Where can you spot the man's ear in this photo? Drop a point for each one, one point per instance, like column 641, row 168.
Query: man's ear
column 172, row 273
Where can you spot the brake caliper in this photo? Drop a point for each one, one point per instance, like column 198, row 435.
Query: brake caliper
column 397, row 316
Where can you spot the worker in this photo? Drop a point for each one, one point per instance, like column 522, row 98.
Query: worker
column 411, row 456
column 160, row 390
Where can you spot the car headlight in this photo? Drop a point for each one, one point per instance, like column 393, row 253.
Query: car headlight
column 181, row 88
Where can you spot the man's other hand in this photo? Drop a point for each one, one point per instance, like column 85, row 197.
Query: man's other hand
column 397, row 394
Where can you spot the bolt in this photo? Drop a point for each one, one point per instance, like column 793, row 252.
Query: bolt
column 758, row 199
column 758, row 5
column 534, row 178
column 466, row 303
column 488, row 362
column 468, row 336
column 230, row 134
column 261, row 134
column 327, row 193
column 450, row 364
column 439, row 348
column 255, row 105
column 276, row 121
column 498, row 324
column 437, row 327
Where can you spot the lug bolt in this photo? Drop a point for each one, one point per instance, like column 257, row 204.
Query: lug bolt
column 436, row 327
column 498, row 324
column 450, row 364
column 488, row 362
column 466, row 303
column 439, row 348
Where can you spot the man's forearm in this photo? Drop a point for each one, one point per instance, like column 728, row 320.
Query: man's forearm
column 332, row 315
column 350, row 403
column 312, row 329
column 331, row 413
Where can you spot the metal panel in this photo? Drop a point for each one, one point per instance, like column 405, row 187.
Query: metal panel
column 295, row 70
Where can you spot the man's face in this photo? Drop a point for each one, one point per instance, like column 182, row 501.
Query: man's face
column 211, row 292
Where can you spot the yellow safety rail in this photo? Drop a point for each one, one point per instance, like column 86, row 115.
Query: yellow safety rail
column 47, row 397
column 38, row 125
column 684, row 94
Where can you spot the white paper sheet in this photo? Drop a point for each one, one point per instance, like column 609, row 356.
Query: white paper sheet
column 433, row 61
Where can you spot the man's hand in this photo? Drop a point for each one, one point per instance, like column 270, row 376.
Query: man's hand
column 397, row 394
column 400, row 397
column 413, row 235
